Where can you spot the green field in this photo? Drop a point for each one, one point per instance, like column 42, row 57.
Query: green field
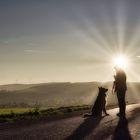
column 14, row 114
column 4, row 111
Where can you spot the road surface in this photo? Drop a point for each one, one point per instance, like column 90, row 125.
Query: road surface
column 77, row 128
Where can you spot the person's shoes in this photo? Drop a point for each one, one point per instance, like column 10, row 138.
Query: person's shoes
column 120, row 115
column 107, row 114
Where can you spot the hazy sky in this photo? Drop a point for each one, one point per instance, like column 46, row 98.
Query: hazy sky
column 67, row 40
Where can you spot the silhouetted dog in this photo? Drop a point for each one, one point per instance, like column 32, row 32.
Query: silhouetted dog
column 100, row 103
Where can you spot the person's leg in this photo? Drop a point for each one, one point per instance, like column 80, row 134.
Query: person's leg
column 121, row 101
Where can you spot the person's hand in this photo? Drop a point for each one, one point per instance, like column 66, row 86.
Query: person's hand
column 112, row 91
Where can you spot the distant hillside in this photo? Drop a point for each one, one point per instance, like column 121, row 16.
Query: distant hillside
column 13, row 87
column 60, row 94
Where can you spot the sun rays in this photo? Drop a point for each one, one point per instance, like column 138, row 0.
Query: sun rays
column 114, row 39
column 120, row 61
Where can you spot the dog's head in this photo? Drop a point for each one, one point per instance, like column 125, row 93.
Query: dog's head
column 102, row 90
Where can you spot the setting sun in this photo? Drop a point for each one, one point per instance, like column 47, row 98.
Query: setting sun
column 120, row 61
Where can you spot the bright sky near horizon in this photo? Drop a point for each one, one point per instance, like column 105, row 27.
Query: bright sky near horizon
column 67, row 40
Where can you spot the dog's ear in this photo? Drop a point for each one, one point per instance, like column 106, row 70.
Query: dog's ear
column 106, row 90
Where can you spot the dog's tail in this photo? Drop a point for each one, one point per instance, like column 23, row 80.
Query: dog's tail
column 87, row 115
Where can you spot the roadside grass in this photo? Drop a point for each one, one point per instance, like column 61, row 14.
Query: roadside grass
column 4, row 111
column 14, row 114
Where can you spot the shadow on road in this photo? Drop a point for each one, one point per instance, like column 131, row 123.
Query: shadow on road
column 122, row 132
column 85, row 128
column 119, row 132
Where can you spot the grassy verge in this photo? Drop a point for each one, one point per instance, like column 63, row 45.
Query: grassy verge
column 14, row 114
column 5, row 111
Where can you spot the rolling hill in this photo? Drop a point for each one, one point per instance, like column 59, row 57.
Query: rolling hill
column 60, row 94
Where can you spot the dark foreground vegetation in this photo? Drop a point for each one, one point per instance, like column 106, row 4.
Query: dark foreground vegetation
column 18, row 114
column 15, row 114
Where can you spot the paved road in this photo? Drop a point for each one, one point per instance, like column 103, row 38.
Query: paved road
column 77, row 128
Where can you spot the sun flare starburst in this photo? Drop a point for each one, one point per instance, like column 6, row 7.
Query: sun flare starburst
column 120, row 61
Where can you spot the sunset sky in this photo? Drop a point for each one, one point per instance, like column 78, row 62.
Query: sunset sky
column 67, row 40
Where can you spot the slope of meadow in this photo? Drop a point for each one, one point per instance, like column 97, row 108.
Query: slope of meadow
column 60, row 94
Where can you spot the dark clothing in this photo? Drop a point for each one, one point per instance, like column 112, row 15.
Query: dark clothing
column 120, row 81
column 120, row 88
column 121, row 101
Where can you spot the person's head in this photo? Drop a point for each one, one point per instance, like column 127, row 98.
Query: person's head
column 117, row 69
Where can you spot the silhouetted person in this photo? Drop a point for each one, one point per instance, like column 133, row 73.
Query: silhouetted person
column 119, row 86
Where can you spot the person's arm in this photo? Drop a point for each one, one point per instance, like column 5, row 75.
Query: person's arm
column 114, row 84
column 113, row 87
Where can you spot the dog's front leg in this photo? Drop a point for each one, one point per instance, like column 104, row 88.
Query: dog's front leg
column 104, row 110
